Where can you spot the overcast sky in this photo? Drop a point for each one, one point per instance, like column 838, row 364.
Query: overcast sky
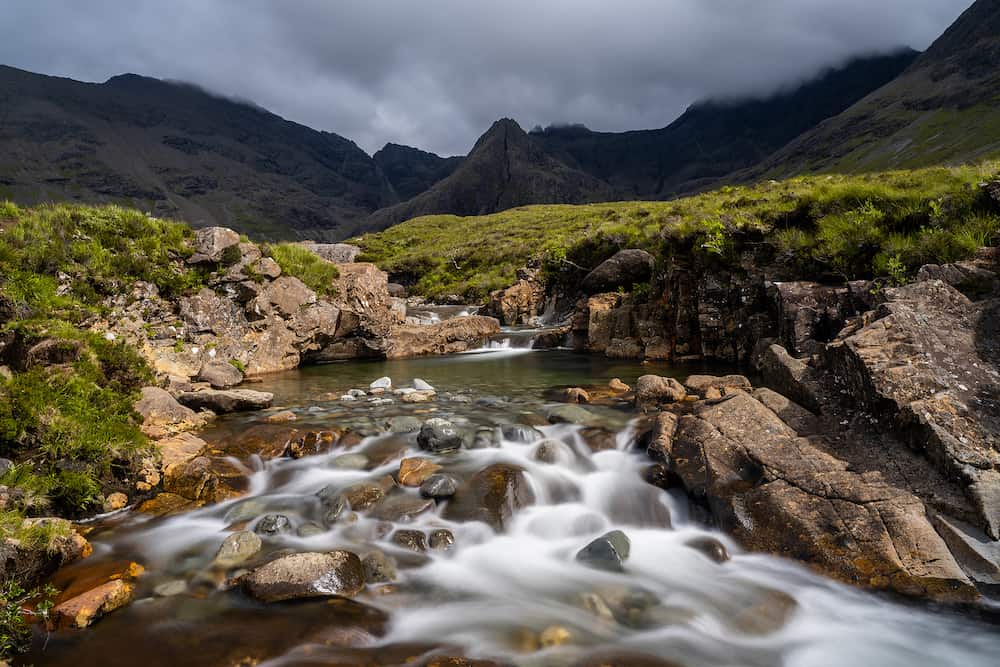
column 436, row 73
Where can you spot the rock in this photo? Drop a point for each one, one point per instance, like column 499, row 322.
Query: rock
column 553, row 452
column 415, row 471
column 789, row 377
column 338, row 253
column 84, row 609
column 976, row 552
column 289, row 295
column 414, row 540
column 492, row 496
column 439, row 487
column 576, row 395
column 307, row 575
column 618, row 386
column 554, row 635
column 362, row 291
column 653, row 389
column 810, row 314
column 208, row 313
column 207, row 479
column 661, row 437
column 267, row 267
column 115, row 502
column 712, row 548
column 793, row 414
column 162, row 414
column 169, row 589
column 699, row 384
column 439, row 435
column 926, row 362
column 271, row 525
column 570, row 414
column 401, row 507
column 237, row 549
column 350, row 462
column 220, row 374
column 397, row 291
column 421, row 385
column 453, row 336
column 379, row 568
column 623, row 269
column 5, row 465
column 282, row 417
column 521, row 302
column 211, row 244
column 404, row 424
column 168, row 504
column 441, row 539
column 779, row 493
column 223, row 401
column 972, row 280
column 363, row 495
column 520, row 433
column 383, row 383
column 418, row 396
column 607, row 552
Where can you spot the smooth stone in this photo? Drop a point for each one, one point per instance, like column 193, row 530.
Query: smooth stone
column 607, row 552
column 570, row 414
column 421, row 385
column 439, row 435
column 520, row 433
column 439, row 486
column 379, row 568
column 401, row 507
column 441, row 539
column 350, row 462
column 307, row 575
column 554, row 451
column 230, row 400
column 310, row 529
column 381, row 383
column 238, row 548
column 273, row 524
column 710, row 547
column 414, row 471
column 363, row 495
column 414, row 540
column 281, row 417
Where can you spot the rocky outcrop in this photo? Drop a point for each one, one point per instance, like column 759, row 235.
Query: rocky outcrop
column 926, row 363
column 522, row 302
column 338, row 253
column 624, row 269
column 459, row 334
column 780, row 493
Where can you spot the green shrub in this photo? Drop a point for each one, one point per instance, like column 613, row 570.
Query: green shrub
column 15, row 628
column 295, row 260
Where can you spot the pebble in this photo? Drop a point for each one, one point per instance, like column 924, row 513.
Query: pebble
column 381, row 383
column 421, row 385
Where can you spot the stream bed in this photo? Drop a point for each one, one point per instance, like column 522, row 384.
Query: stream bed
column 513, row 593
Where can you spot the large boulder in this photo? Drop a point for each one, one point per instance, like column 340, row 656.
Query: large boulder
column 162, row 414
column 926, row 362
column 230, row 400
column 220, row 374
column 624, row 269
column 453, row 336
column 307, row 575
column 780, row 493
column 492, row 496
column 363, row 289
column 211, row 244
column 653, row 389
column 287, row 296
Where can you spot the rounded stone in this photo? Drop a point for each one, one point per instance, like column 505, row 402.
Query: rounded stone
column 238, row 548
column 439, row 486
column 273, row 524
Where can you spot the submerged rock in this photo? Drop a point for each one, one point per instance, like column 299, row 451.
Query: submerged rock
column 607, row 552
column 492, row 496
column 379, row 568
column 238, row 548
column 273, row 524
column 307, row 575
column 570, row 414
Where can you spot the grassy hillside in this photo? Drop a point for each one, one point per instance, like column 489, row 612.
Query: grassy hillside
column 852, row 226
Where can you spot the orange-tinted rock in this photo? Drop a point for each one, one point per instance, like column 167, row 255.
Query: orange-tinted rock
column 84, row 609
column 415, row 471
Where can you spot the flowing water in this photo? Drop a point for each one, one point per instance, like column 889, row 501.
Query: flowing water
column 519, row 595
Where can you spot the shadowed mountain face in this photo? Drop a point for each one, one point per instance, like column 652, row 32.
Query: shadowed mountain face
column 506, row 168
column 175, row 150
column 713, row 139
column 944, row 109
column 411, row 170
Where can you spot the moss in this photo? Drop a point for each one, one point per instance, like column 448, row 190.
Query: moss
column 295, row 260
column 841, row 224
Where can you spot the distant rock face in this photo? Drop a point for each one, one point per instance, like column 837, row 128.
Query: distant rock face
column 338, row 253
column 624, row 269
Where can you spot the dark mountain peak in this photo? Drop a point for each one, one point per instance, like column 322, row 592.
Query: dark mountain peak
column 970, row 46
column 411, row 170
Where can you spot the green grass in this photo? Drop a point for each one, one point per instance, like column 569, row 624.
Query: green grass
column 850, row 226
column 294, row 260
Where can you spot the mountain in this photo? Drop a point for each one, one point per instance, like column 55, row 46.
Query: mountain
column 411, row 170
column 715, row 138
column 944, row 109
column 176, row 150
column 506, row 168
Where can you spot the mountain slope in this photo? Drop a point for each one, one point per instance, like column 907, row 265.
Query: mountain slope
column 176, row 150
column 713, row 139
column 506, row 168
column 411, row 170
column 944, row 109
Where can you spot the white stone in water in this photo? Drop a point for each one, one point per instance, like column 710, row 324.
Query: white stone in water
column 348, row 397
column 357, row 393
column 381, row 383
column 422, row 385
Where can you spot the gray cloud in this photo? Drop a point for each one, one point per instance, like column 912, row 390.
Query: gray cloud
column 436, row 73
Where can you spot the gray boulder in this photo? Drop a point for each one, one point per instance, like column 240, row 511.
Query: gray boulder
column 211, row 244
column 220, row 374
column 651, row 389
column 230, row 400
column 439, row 435
column 607, row 552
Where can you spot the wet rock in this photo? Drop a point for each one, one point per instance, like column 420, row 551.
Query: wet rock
column 272, row 525
column 334, row 506
column 208, row 479
column 453, row 336
column 576, row 395
column 779, row 493
column 619, row 387
column 661, row 436
column 553, row 452
column 570, row 414
column 414, row 540
column 765, row 613
column 404, row 424
column 310, row 529
column 441, row 539
column 401, row 507
column 439, row 435
column 238, row 548
column 307, row 575
column 363, row 495
column 220, row 374
column 492, row 496
column 115, row 502
column 350, row 462
column 660, row 476
column 223, row 401
column 383, row 384
column 599, row 439
column 653, row 389
column 607, row 552
column 554, row 635
column 700, row 384
column 520, row 433
column 439, row 487
column 168, row 504
column 281, row 417
column 84, row 609
column 712, row 548
column 379, row 568
column 623, row 269
column 415, row 471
